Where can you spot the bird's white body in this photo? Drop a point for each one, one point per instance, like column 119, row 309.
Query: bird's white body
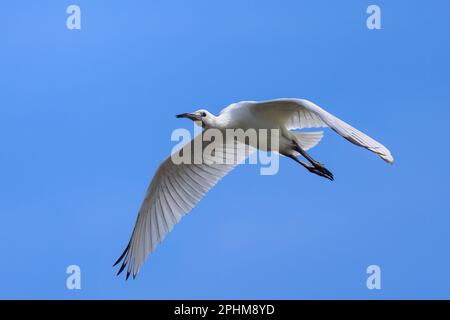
column 241, row 115
column 176, row 189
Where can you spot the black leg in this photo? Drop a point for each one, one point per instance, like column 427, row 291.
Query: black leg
column 317, row 165
column 311, row 168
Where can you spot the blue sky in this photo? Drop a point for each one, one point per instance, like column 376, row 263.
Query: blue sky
column 86, row 117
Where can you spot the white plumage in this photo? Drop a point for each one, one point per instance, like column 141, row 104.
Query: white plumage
column 176, row 189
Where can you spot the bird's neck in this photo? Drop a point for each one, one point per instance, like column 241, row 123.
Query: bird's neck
column 220, row 122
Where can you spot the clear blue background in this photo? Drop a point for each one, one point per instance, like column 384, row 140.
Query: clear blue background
column 86, row 117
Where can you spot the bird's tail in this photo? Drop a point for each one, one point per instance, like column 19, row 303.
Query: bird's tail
column 307, row 140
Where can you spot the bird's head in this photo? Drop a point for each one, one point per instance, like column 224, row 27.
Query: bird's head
column 202, row 117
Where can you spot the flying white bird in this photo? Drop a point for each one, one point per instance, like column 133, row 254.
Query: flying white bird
column 176, row 189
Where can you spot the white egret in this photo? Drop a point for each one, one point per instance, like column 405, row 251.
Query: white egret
column 176, row 189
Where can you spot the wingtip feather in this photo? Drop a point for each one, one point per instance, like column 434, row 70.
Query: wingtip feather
column 122, row 255
column 386, row 156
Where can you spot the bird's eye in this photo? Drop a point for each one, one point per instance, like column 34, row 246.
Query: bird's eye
column 203, row 114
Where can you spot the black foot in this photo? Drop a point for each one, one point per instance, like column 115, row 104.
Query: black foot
column 320, row 170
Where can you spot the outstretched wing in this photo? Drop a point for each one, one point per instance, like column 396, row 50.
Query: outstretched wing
column 301, row 113
column 174, row 191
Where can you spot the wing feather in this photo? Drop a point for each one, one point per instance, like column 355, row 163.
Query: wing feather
column 173, row 192
column 301, row 113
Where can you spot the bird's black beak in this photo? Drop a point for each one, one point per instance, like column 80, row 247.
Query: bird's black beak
column 191, row 116
column 182, row 115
